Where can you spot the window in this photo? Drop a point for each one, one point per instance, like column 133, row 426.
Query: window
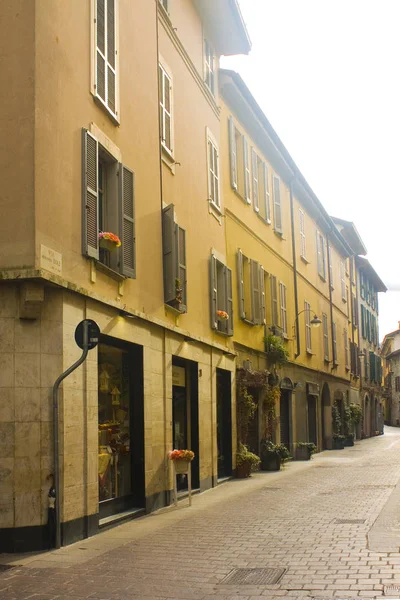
column 321, row 256
column 302, row 234
column 372, row 366
column 174, row 261
column 354, row 360
column 282, row 289
column 397, row 384
column 330, row 267
column 307, row 312
column 107, row 205
column 213, row 172
column 276, row 189
column 342, row 281
column 209, row 66
column 105, row 67
column 260, row 187
column 346, row 348
column 251, row 290
column 274, row 301
column 164, row 4
column 165, row 94
column 326, row 338
column 239, row 162
column 221, row 296
column 362, row 286
column 355, row 312
column 335, row 358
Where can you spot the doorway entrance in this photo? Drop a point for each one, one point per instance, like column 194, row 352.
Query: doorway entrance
column 252, row 441
column 326, row 417
column 312, row 419
column 121, row 426
column 224, row 423
column 185, row 414
column 284, row 407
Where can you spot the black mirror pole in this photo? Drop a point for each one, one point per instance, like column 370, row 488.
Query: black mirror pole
column 56, row 458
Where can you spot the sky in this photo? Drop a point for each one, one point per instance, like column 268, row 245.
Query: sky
column 327, row 75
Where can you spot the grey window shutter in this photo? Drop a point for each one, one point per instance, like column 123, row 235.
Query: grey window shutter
column 277, row 204
column 229, row 301
column 274, row 300
column 213, row 292
column 240, row 283
column 233, row 153
column 127, row 221
column 90, row 208
column 255, row 292
column 254, row 167
column 169, row 253
column 246, row 164
column 181, row 267
column 262, row 294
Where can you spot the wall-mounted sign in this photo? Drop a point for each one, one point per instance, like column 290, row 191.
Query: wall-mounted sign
column 50, row 260
column 178, row 376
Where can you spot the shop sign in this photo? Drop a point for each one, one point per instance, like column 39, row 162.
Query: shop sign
column 178, row 376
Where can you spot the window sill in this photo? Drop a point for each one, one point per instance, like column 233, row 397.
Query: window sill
column 177, row 311
column 239, row 195
column 303, row 258
column 114, row 118
column 167, row 158
column 215, row 211
column 265, row 221
column 322, row 277
column 108, row 271
column 247, row 321
column 279, row 234
column 309, row 352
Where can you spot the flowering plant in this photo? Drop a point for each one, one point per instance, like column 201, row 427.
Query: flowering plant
column 187, row 455
column 222, row 315
column 111, row 237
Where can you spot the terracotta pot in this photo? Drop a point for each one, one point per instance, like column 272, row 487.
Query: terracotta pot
column 243, row 471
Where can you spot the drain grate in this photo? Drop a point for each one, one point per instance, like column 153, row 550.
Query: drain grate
column 349, row 521
column 253, row 576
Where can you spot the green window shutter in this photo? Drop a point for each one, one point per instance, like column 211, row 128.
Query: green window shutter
column 90, row 207
column 180, row 237
column 262, row 294
column 372, row 366
column 213, row 292
column 240, row 283
column 229, row 301
column 254, row 167
column 233, row 154
column 277, row 204
column 169, row 253
column 127, row 221
column 246, row 166
column 255, row 292
column 363, row 321
column 368, row 325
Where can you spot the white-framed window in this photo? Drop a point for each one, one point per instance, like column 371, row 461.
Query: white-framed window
column 276, row 190
column 105, row 55
column 213, row 171
column 330, row 267
column 343, row 281
column 239, row 162
column 260, row 181
column 164, row 4
column 209, row 66
column 346, row 349
column 307, row 312
column 321, row 259
column 326, row 336
column 335, row 360
column 282, row 290
column 274, row 301
column 166, row 108
column 302, row 234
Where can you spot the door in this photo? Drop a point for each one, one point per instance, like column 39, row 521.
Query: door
column 312, row 419
column 224, row 423
column 284, row 418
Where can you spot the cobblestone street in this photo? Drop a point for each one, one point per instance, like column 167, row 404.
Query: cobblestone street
column 332, row 525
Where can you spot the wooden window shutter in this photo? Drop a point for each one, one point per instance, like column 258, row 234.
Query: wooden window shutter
column 319, row 253
column 334, row 343
column 180, row 234
column 101, row 49
column 254, row 168
column 233, row 154
column 229, row 301
column 302, row 234
column 266, row 193
column 255, row 292
column 169, row 253
column 111, row 62
column 106, row 64
column 246, row 163
column 127, row 221
column 213, row 292
column 363, row 321
column 274, row 300
column 262, row 294
column 277, row 204
column 90, row 208
column 330, row 267
column 242, row 312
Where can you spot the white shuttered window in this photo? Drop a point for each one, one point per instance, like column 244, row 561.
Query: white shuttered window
column 308, row 326
column 165, row 94
column 302, row 234
column 213, row 172
column 282, row 289
column 209, row 66
column 276, row 185
column 326, row 338
column 105, row 68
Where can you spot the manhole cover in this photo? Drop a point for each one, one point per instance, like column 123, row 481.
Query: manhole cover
column 349, row 521
column 253, row 576
column 391, row 590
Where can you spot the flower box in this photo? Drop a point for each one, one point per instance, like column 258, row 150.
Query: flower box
column 109, row 241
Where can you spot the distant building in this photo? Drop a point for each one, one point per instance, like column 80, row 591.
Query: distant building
column 390, row 353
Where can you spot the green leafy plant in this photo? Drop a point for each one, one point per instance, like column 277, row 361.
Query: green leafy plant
column 268, row 447
column 356, row 413
column 246, row 408
column 271, row 399
column 336, row 422
column 310, row 446
column 347, row 422
column 244, row 456
column 275, row 350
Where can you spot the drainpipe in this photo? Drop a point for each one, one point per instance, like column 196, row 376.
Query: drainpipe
column 296, row 296
column 331, row 303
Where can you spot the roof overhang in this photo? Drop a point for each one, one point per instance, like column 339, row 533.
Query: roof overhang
column 365, row 265
column 239, row 98
column 224, row 22
column 351, row 235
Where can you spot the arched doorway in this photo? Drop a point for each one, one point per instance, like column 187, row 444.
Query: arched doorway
column 326, row 418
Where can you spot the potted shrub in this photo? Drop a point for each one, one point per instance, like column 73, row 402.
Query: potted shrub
column 305, row 450
column 273, row 455
column 277, row 354
column 338, row 441
column 347, row 425
column 246, row 462
column 337, row 438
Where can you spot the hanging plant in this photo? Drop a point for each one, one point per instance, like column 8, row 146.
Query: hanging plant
column 277, row 354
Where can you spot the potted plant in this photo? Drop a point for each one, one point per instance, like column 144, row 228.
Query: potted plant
column 109, row 241
column 338, row 441
column 347, row 425
column 305, row 450
column 338, row 438
column 181, row 460
column 246, row 462
column 273, row 455
column 222, row 315
column 277, row 354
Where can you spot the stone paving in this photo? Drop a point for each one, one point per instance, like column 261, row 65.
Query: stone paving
column 318, row 520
